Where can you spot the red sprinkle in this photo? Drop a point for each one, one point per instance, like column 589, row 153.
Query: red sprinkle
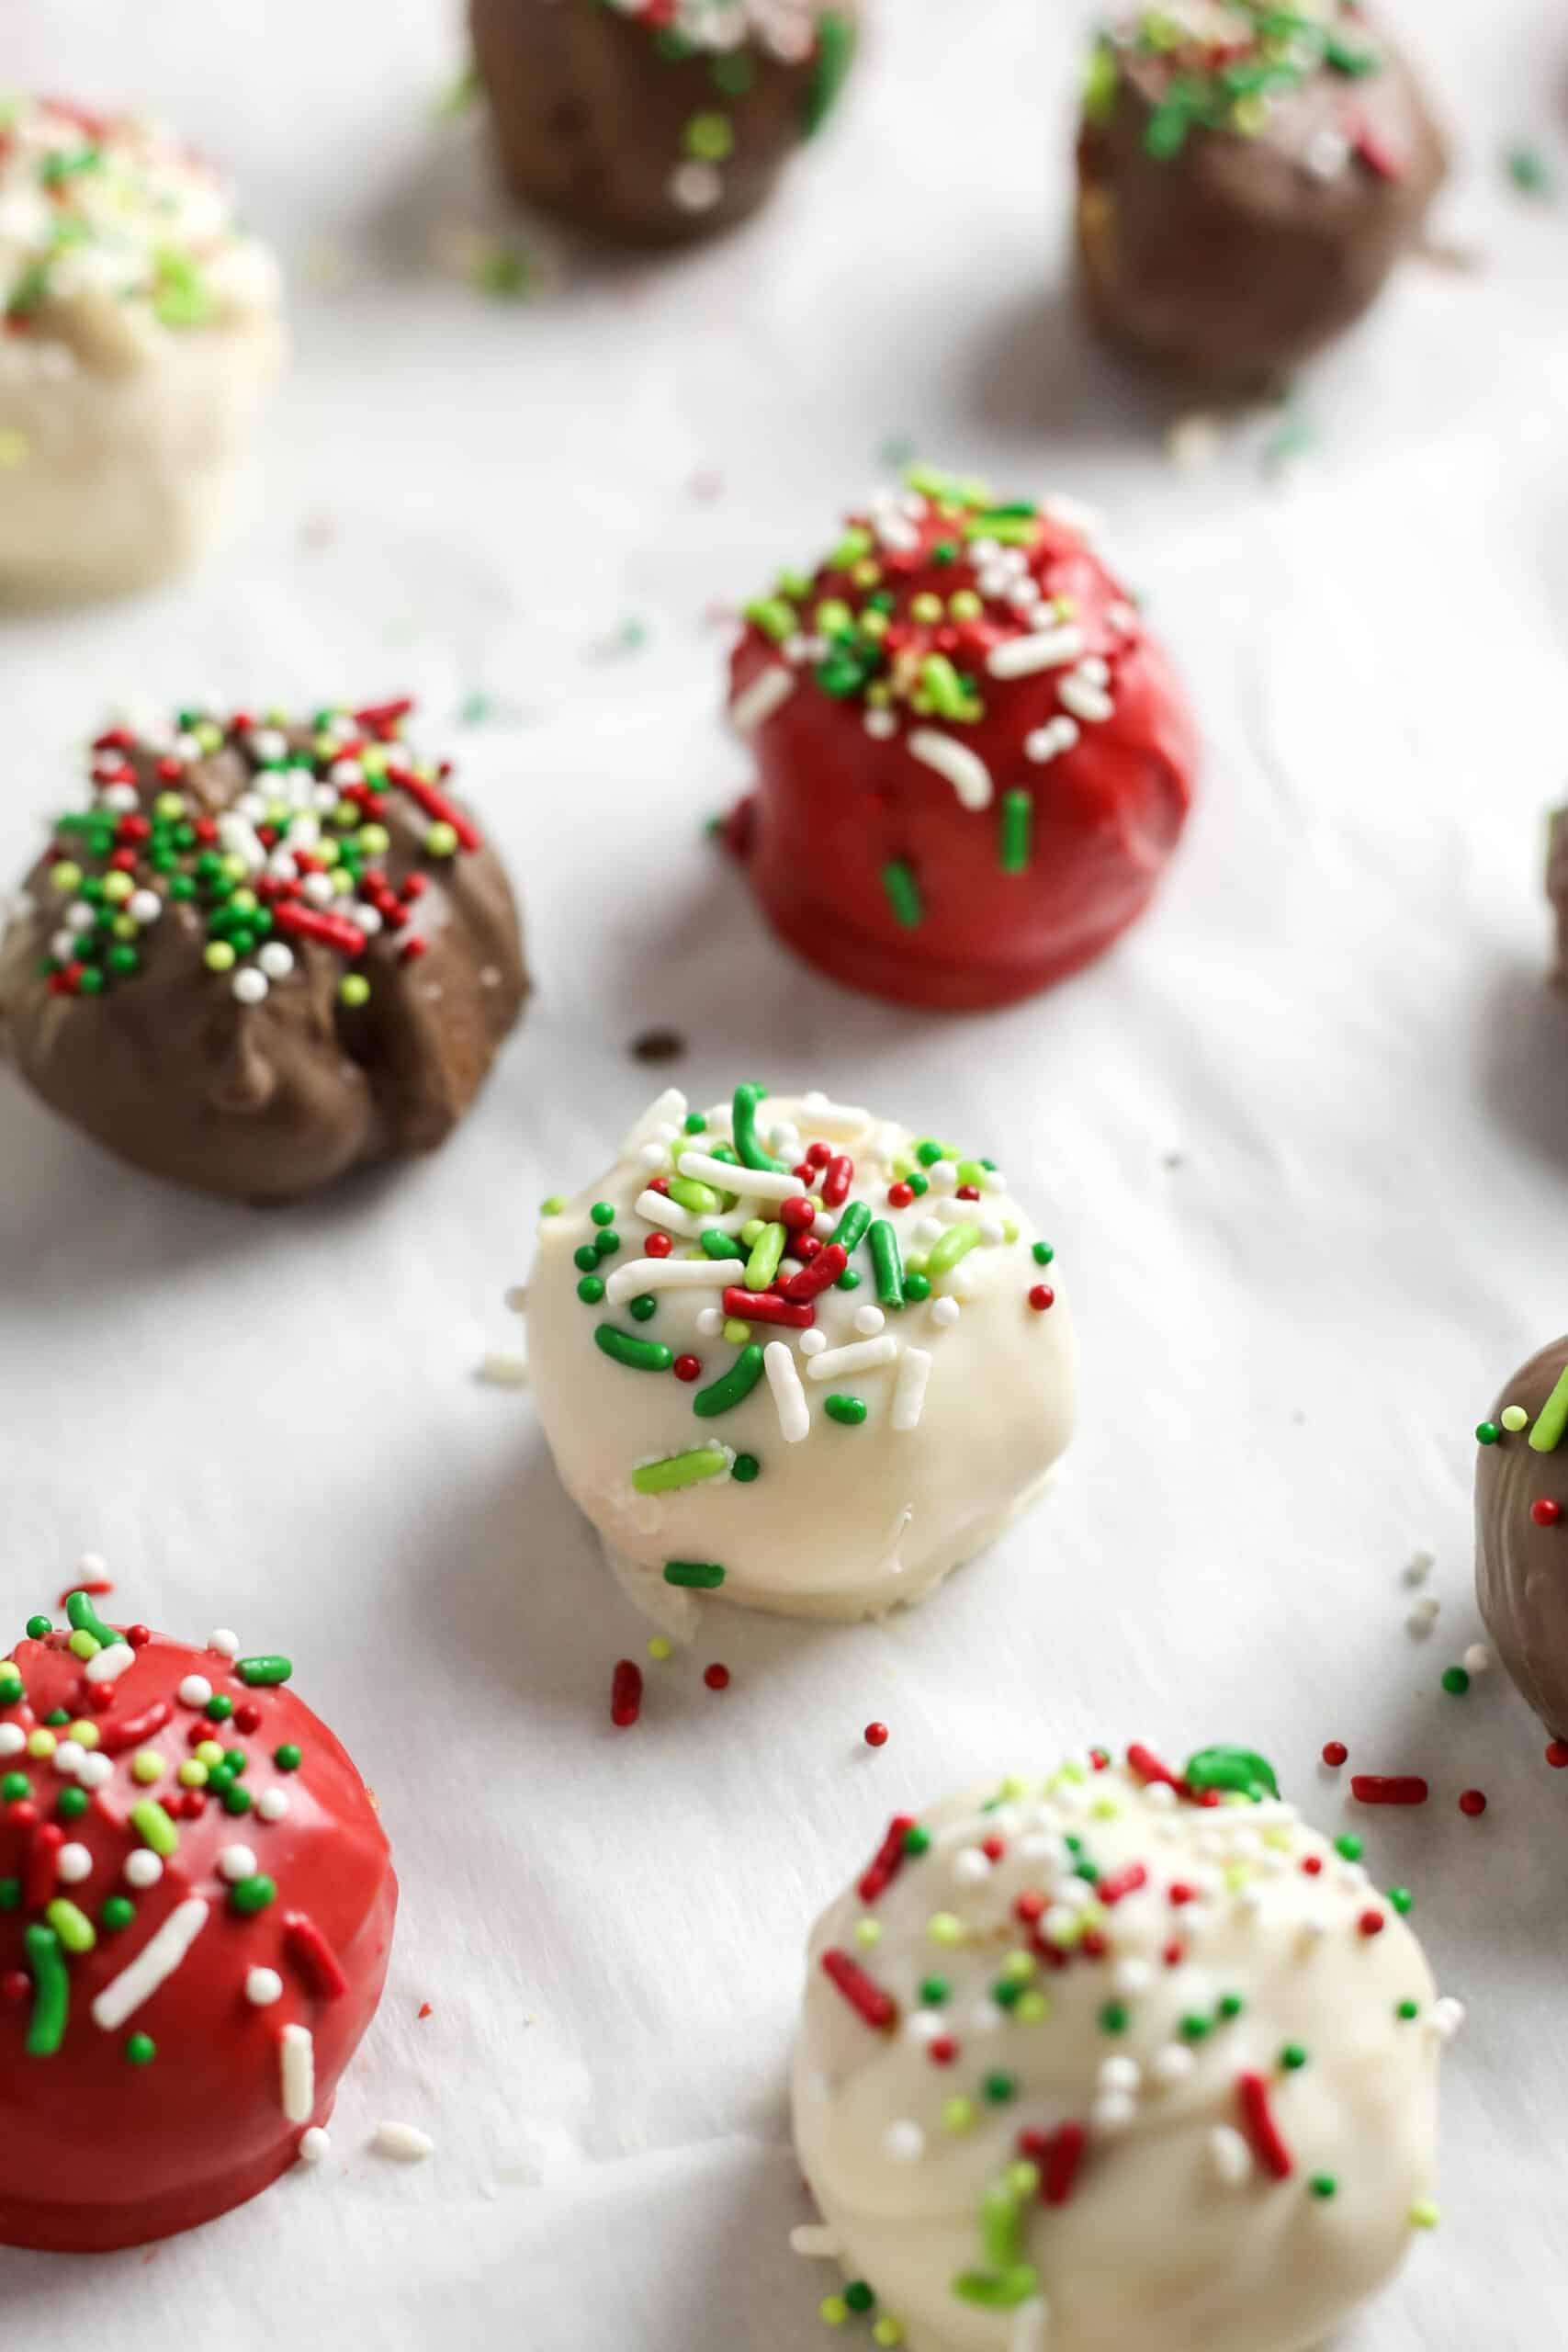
column 900, row 1196
column 888, row 1858
column 625, row 1693
column 797, row 1212
column 1557, row 1754
column 1546, row 1513
column 687, row 1367
column 15, row 1984
column 313, row 1956
column 836, row 1184
column 39, row 1871
column 1397, row 1788
column 1261, row 2128
column 1371, row 1923
column 1148, row 1765
column 1473, row 1803
column 1042, row 1296
column 942, row 2051
column 99, row 1586
column 716, row 1676
column 1122, row 1883
column 773, row 1306
column 426, row 2010
column 875, row 1735
column 877, row 2007
column 824, row 1270
column 1060, row 2169
column 309, row 922
column 441, row 810
column 1313, row 1865
column 131, row 1730
column 1335, row 1753
column 658, row 1245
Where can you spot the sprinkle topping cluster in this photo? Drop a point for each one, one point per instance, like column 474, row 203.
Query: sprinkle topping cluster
column 127, row 1781
column 1024, row 1905
column 258, row 838
column 815, row 1267
column 1224, row 66
column 107, row 210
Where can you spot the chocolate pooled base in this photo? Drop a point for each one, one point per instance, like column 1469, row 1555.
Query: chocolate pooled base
column 1521, row 1532
column 240, row 1025
column 1238, row 208
column 620, row 124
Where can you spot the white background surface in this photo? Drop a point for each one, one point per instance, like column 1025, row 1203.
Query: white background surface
column 1300, row 1142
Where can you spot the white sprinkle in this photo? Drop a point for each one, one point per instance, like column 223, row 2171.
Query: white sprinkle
column 1230, row 2155
column 67, row 1757
column 249, row 986
column 946, row 1311
column 1027, row 2333
column 1193, row 442
column 1173, row 2064
column 669, row 1273
column 904, row 2142
column 924, row 2025
column 156, row 1963
column 95, row 1773
column 1420, row 1567
column 710, row 1321
column 226, row 1644
column 143, row 1868
column 144, row 906
column 12, row 1739
column 1112, row 2112
column 654, row 1208
column 1329, row 151
column 313, row 2145
column 194, row 1690
column 1423, row 1617
column 653, row 1154
column 272, row 1804
column 834, row 1121
column 789, row 1397
column 236, row 1862
column 1131, row 1976
column 909, row 1390
column 1057, row 735
column 971, row 1867
column 695, row 188
column 404, row 2142
column 767, row 693
column 1447, row 2016
column 117, row 1658
column 263, row 1988
column 505, row 1368
column 297, row 2066
column 753, row 1184
column 880, row 725
column 74, row 1863
column 815, row 2243
column 862, row 1355
column 964, row 769
column 812, row 1343
column 1121, row 2075
column 1085, row 699
column 943, row 1174
column 1020, row 657
column 869, row 1319
column 1477, row 1658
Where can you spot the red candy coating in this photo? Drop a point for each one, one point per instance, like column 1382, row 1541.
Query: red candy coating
column 96, row 2153
column 836, row 806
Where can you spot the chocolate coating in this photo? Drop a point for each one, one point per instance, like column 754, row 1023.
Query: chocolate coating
column 1521, row 1567
column 1242, row 200
column 260, row 1100
column 645, row 128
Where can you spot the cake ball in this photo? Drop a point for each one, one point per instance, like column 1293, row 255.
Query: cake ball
column 791, row 1353
column 1126, row 2057
column 195, row 1911
column 655, row 122
column 142, row 336
column 973, row 761
column 1521, row 1531
column 1247, row 177
column 262, row 950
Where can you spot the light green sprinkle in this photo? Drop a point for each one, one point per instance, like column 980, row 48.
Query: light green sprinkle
column 154, row 1828
column 681, row 1470
column 955, row 1243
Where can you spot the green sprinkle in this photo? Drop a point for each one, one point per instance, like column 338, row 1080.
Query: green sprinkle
column 681, row 1470
column 1402, row 1900
column 689, row 1194
column 638, row 1355
column 603, row 1213
column 52, row 1992
column 955, row 1243
column 141, row 2049
column 1293, row 2058
column 73, row 1803
column 1240, row 1769
column 858, row 2296
column 73, row 1927
column 590, row 1290
column 836, row 38
column 745, row 1467
column 887, row 1262
column 250, row 1895
column 1530, row 171
column 1407, row 2012
column 261, row 1673
column 935, row 1991
column 1018, row 827
column 849, row 1411
column 85, row 1619
column 853, row 1226
column 773, row 616
column 695, row 1576
column 39, row 1628
column 1323, row 2185
column 917, row 1841
column 766, row 1257
column 1114, row 2018
column 917, row 1286
column 218, row 1708
column 1456, row 1681
column 1000, row 2088
column 1349, row 1847
column 606, row 1243
column 117, row 1913
column 721, row 1245
column 287, row 1758
column 998, row 2290
column 14, row 1786
column 645, row 1309
column 1552, row 1420
column 154, row 1828
column 730, row 1389
column 744, row 1126
column 1041, row 1253
column 903, row 894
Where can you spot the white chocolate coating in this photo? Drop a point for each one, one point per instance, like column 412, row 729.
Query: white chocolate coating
column 1176, row 2234
column 139, row 356
column 969, row 1392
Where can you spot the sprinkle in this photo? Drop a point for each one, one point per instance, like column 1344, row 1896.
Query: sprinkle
column 1261, row 2130
column 311, row 1953
column 153, row 1826
column 403, row 2142
column 875, row 1735
column 625, row 1693
column 641, row 1275
column 732, row 1387
column 682, row 1469
column 1018, row 824
column 1472, row 1801
column 903, row 894
column 638, row 1355
column 153, row 1965
column 1023, row 657
column 52, row 1992
column 909, row 1390
column 1376, row 1787
column 743, row 1126
column 964, row 769
column 263, row 1673
column 313, row 2145
column 110, row 1664
column 789, row 1397
column 296, row 2055
column 264, row 1987
column 888, row 1859
column 698, row 1575
column 860, row 1355
column 955, row 1243
column 767, row 693
column 1334, row 1753
column 1230, row 2155
column 821, row 1273
column 886, row 1262
column 867, row 1999
column 759, row 1184
column 1550, row 1423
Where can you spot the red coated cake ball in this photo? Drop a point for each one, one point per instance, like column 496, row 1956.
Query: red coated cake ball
column 195, row 1911
column 972, row 759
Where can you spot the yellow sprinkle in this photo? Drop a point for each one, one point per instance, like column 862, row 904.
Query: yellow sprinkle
column 83, row 1644
column 957, row 2114
column 737, row 1332
column 943, row 1927
column 1104, row 1809
column 209, row 1753
column 14, row 447
column 888, row 2331
column 1236, row 1876
column 1425, row 2215
column 85, row 1734
column 1031, row 2009
column 1014, row 1787
column 834, row 2310
column 41, row 1743
column 192, row 1774
column 865, row 574
column 148, row 1766
column 868, row 1931
column 1023, row 2179
column 659, row 1648
column 1515, row 1417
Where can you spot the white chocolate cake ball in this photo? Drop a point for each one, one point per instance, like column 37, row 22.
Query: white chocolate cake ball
column 792, row 1354
column 142, row 335
column 1120, row 2062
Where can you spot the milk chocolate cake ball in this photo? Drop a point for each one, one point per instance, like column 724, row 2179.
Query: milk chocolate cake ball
column 142, row 337
column 790, row 1353
column 262, row 950
column 195, row 1912
column 973, row 760
column 1125, row 2057
column 656, row 121
column 1248, row 175
column 1521, row 1531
